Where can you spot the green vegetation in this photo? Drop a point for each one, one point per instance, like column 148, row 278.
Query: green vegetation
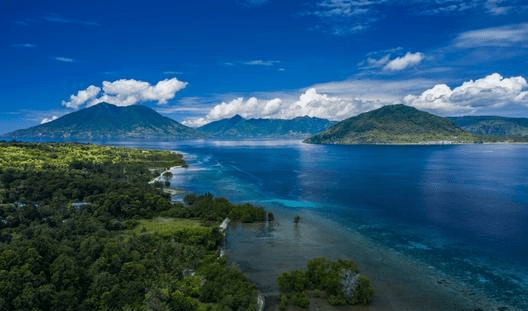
column 81, row 228
column 111, row 122
column 394, row 124
column 238, row 127
column 339, row 281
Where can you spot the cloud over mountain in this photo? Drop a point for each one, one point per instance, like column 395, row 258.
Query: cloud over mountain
column 126, row 92
column 309, row 103
column 492, row 91
column 47, row 120
column 338, row 101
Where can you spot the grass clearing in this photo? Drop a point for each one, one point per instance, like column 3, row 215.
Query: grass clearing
column 172, row 227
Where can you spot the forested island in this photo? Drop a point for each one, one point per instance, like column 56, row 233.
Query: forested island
column 394, row 124
column 82, row 228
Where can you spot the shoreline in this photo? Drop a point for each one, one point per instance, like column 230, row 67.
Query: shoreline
column 400, row 282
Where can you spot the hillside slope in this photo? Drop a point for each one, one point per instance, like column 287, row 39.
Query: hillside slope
column 394, row 124
column 108, row 121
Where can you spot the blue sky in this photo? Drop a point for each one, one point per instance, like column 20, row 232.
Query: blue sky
column 199, row 61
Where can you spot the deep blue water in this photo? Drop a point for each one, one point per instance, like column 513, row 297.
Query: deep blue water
column 461, row 208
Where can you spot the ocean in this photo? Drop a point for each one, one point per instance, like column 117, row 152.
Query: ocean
column 458, row 213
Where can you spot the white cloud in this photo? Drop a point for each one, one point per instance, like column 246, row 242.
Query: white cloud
column 404, row 62
column 82, row 97
column 127, row 92
column 309, row 103
column 384, row 59
column 492, row 91
column 504, row 36
column 65, row 59
column 47, row 120
column 378, row 62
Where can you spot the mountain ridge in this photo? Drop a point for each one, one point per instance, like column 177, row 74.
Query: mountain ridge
column 492, row 127
column 239, row 127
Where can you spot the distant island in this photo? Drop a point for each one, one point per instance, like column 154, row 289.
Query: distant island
column 401, row 124
column 238, row 127
column 106, row 121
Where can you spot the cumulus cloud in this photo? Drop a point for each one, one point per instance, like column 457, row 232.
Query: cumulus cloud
column 47, row 120
column 504, row 36
column 385, row 60
column 126, row 92
column 404, row 62
column 309, row 103
column 82, row 97
column 492, row 91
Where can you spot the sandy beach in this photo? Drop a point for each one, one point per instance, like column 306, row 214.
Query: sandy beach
column 264, row 251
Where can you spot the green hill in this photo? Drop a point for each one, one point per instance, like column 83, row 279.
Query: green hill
column 494, row 128
column 109, row 122
column 238, row 127
column 394, row 124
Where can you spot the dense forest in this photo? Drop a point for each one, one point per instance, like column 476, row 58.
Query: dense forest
column 81, row 228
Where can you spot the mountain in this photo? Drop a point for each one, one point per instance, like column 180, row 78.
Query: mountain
column 238, row 127
column 490, row 126
column 110, row 122
column 394, row 124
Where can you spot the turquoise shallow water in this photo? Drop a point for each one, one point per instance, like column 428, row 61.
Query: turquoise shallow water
column 460, row 209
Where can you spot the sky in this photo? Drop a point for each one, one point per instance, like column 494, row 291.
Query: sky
column 201, row 61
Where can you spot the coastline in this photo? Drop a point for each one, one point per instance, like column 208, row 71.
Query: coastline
column 265, row 251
